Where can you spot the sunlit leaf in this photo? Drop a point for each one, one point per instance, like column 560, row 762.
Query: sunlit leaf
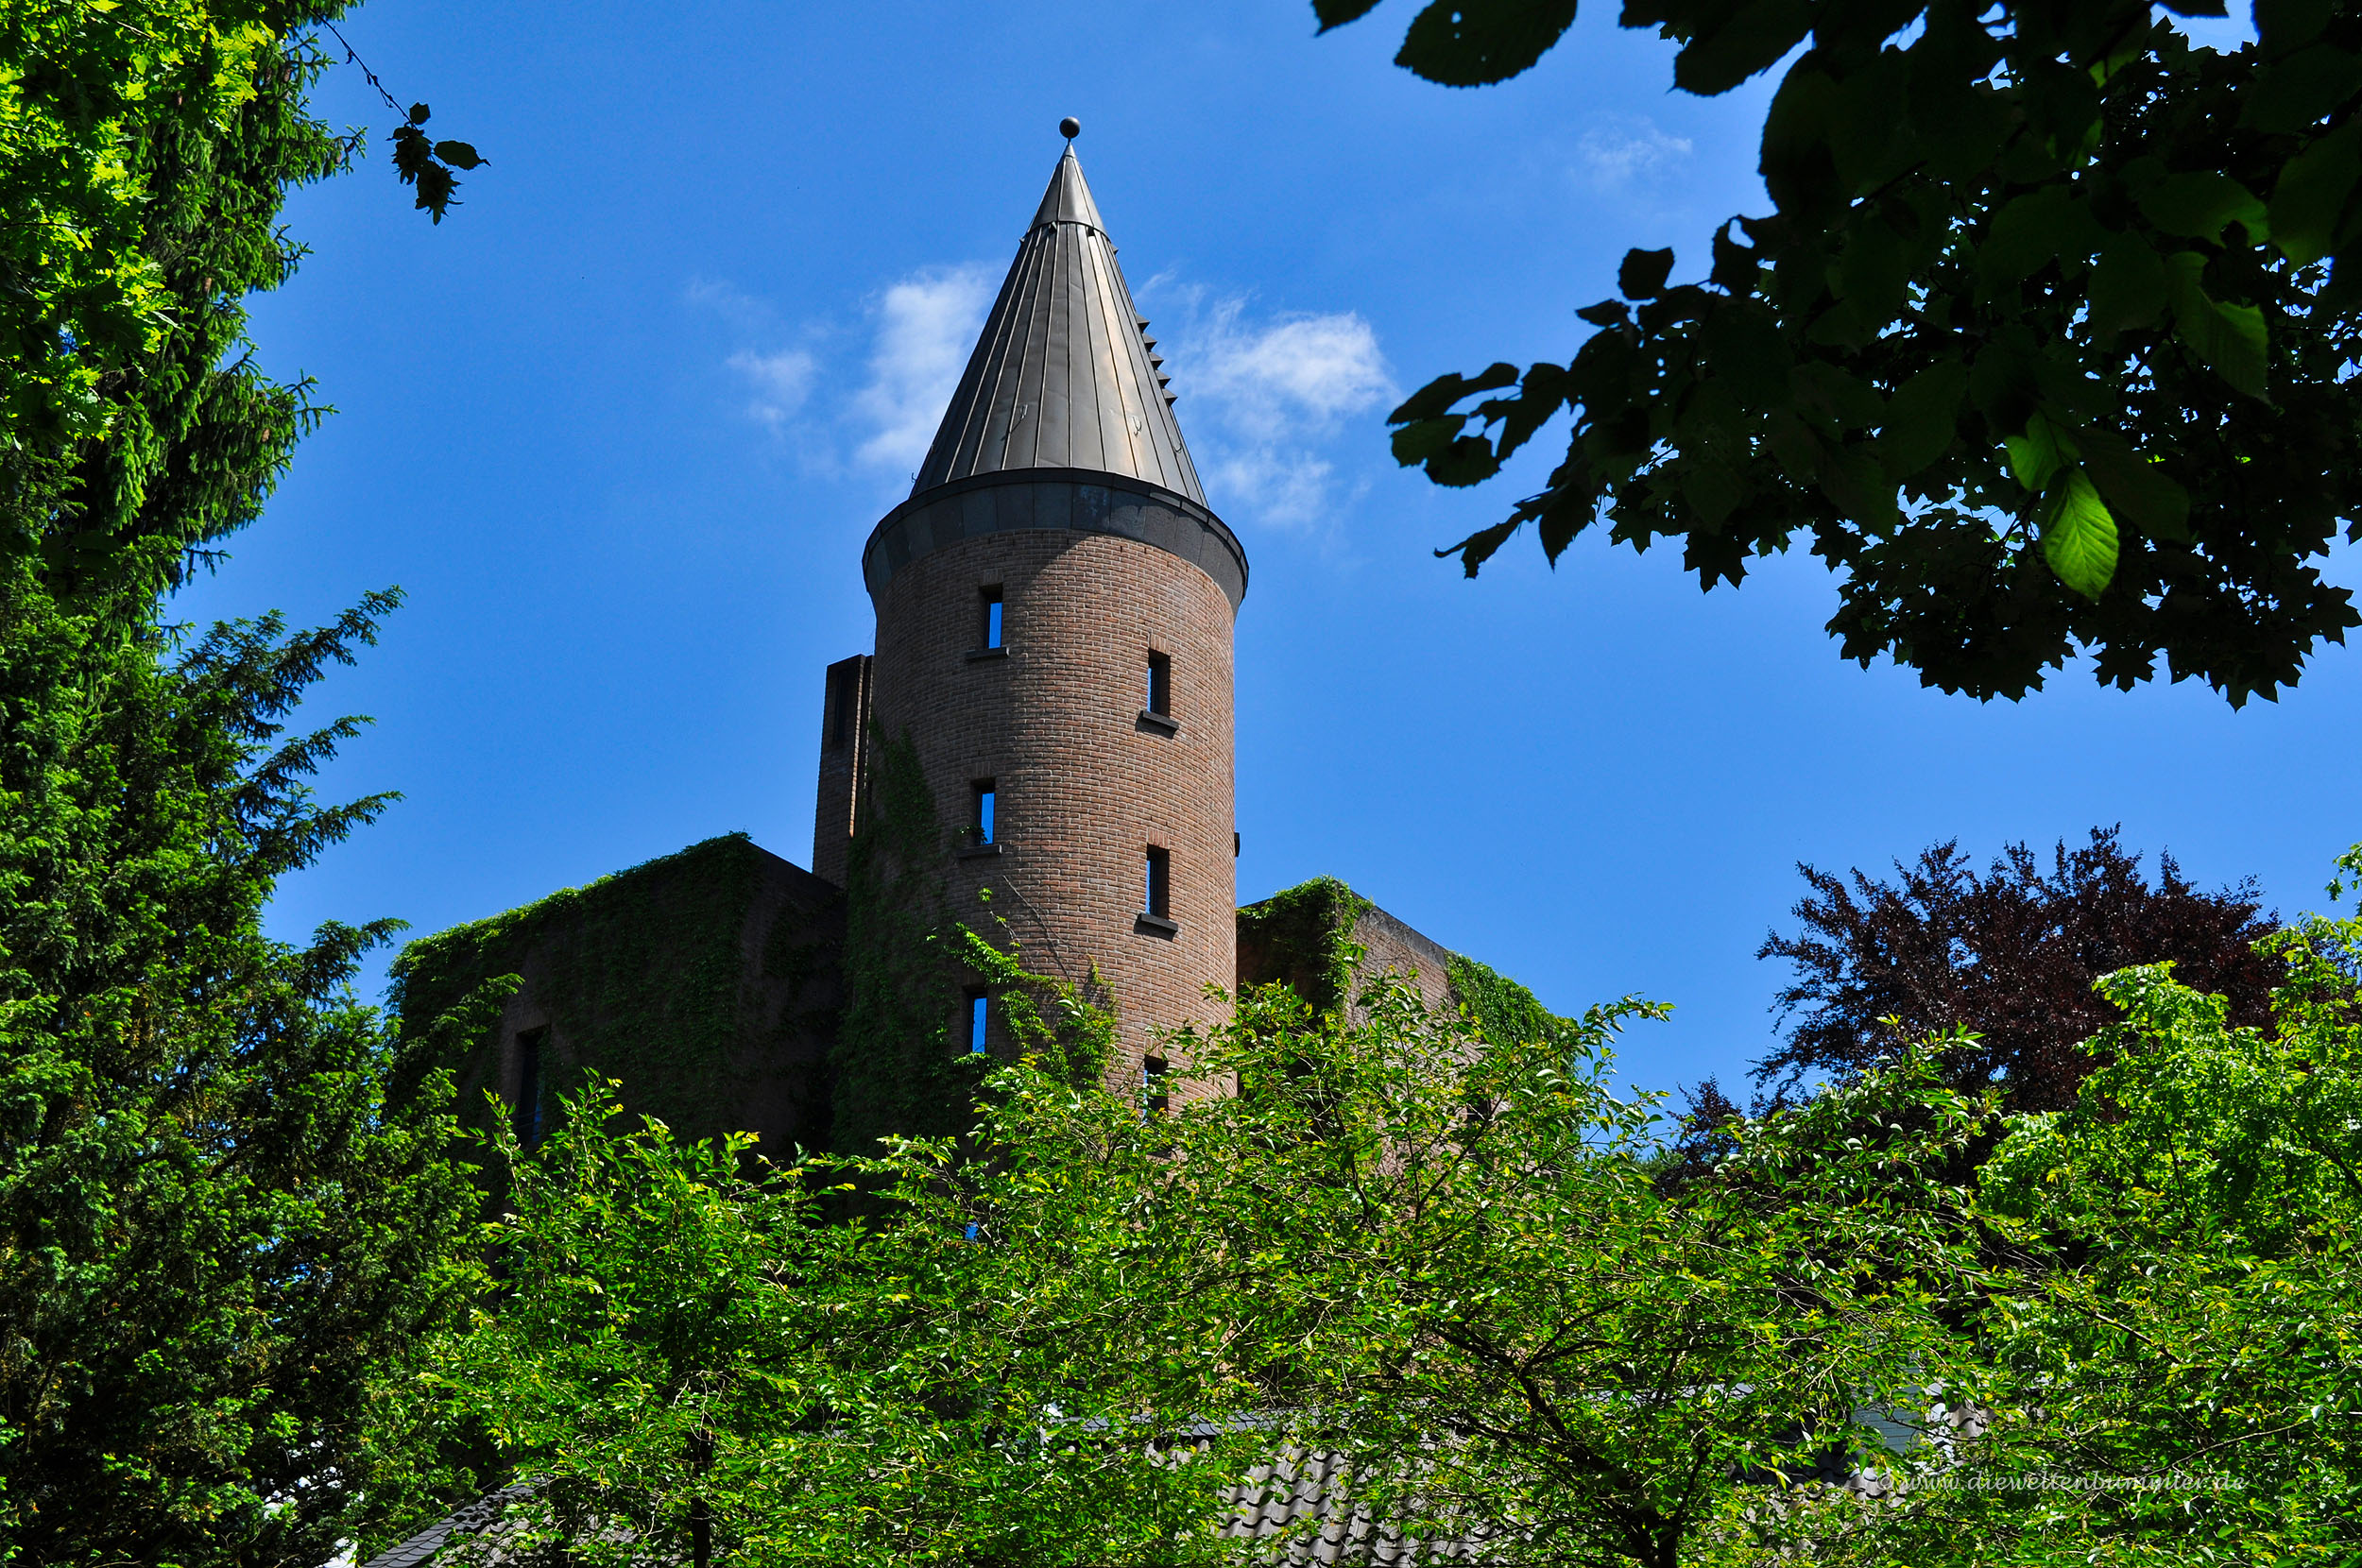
column 2078, row 537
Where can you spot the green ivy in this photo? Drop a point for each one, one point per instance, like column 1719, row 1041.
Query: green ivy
column 1302, row 938
column 895, row 1069
column 1503, row 1012
column 640, row 973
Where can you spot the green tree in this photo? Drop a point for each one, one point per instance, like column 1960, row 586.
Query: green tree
column 1470, row 1289
column 988, row 1358
column 2043, row 346
column 2187, row 1341
column 215, row 1223
column 144, row 148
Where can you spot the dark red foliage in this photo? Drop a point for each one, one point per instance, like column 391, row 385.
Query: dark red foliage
column 2011, row 954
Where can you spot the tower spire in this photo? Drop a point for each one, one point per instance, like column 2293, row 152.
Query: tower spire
column 1065, row 375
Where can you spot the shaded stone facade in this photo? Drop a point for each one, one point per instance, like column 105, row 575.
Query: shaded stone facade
column 708, row 983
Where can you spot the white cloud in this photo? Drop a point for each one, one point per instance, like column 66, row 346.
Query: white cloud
column 925, row 325
column 1288, row 487
column 1269, row 392
column 777, row 381
column 1629, row 151
column 743, row 311
column 780, row 383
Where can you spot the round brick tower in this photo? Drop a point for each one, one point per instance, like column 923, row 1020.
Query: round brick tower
column 1054, row 610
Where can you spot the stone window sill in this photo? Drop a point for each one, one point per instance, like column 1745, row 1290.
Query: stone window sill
column 1156, row 924
column 976, row 653
column 1163, row 723
column 974, row 851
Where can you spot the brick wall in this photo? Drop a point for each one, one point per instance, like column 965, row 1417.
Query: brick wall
column 843, row 751
column 1084, row 785
column 1390, row 944
column 759, row 946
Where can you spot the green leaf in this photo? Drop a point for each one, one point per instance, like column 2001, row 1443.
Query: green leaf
column 1336, row 13
column 1469, row 460
column 1821, row 387
column 1440, row 394
column 1736, row 267
column 1742, row 344
column 1479, row 547
column 1875, row 269
column 420, row 115
column 2290, row 96
column 2226, row 339
column 1717, row 59
column 1423, row 438
column 1643, row 274
column 2078, row 537
column 2128, row 285
column 1921, row 418
column 2198, row 204
column 459, row 154
column 1711, row 489
column 2311, row 194
column 2024, row 235
column 1854, row 479
column 1795, row 160
column 1473, row 42
column 2152, row 505
column 2037, row 457
column 1544, row 390
column 2285, row 25
column 1607, row 313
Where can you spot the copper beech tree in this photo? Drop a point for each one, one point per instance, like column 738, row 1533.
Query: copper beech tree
column 2013, row 955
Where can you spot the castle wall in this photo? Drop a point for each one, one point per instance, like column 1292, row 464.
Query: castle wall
column 1084, row 784
column 1392, row 946
column 707, row 982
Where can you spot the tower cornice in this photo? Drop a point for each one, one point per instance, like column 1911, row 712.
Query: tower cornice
column 1063, row 500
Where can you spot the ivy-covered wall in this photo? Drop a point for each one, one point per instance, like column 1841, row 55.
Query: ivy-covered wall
column 896, row 1067
column 707, row 982
column 1326, row 941
column 1299, row 938
column 728, row 990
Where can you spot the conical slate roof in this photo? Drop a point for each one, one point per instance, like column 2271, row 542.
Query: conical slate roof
column 1064, row 376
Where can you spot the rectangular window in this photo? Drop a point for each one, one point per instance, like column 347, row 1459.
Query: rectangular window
column 1160, row 683
column 978, row 1022
column 992, row 609
column 1154, row 1098
column 979, row 822
column 840, row 708
column 527, row 1109
column 1159, row 882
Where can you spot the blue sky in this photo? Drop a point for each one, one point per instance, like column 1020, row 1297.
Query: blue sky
column 619, row 425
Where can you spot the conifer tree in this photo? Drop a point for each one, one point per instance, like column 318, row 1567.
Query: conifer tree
column 216, row 1221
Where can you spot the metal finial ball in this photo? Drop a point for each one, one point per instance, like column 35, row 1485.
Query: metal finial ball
column 1070, row 127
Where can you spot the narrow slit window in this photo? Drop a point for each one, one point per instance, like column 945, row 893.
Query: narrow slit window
column 527, row 1110
column 992, row 609
column 1159, row 882
column 840, row 704
column 1160, row 683
column 978, row 1022
column 1154, row 1071
column 979, row 822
